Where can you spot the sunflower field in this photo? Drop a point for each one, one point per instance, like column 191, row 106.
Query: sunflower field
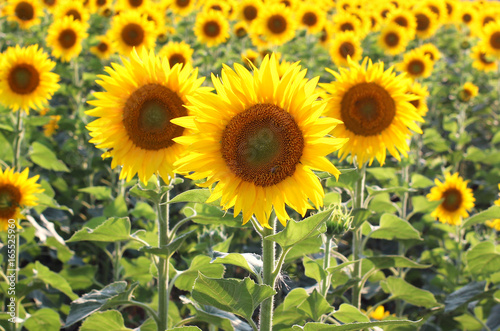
column 249, row 165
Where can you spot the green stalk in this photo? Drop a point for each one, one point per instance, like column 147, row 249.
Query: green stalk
column 268, row 257
column 325, row 284
column 162, row 210
column 357, row 241
column 16, row 163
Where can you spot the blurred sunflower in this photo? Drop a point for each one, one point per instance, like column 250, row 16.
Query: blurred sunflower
column 405, row 19
column 132, row 29
column 343, row 22
column 211, row 28
column 491, row 39
column 217, row 5
column 248, row 10
column 416, row 64
column 485, row 17
column 104, row 48
column 344, row 5
column 25, row 12
column 326, row 34
column 393, row 39
column 452, row 10
column 132, row 4
column 384, row 9
column 50, row 128
column 483, row 61
column 26, row 80
column 177, row 52
column 291, row 4
column 421, row 92
column 495, row 224
column 345, row 45
column 457, row 199
column 375, row 110
column 431, row 51
column 374, row 21
column 250, row 57
column 51, row 5
column 240, row 29
column 65, row 37
column 17, row 191
column 311, row 17
column 468, row 14
column 72, row 8
column 181, row 7
column 436, row 7
column 276, row 24
column 99, row 6
column 257, row 140
column 141, row 98
column 468, row 92
column 427, row 22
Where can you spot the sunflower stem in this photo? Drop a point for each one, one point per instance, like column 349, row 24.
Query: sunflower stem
column 357, row 240
column 16, row 163
column 268, row 257
column 325, row 285
column 459, row 238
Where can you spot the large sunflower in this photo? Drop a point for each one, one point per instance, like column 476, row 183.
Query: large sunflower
column 375, row 109
column 65, row 37
column 393, row 39
column 72, row 8
column 177, row 52
column 211, row 28
column 141, row 98
column 482, row 60
column 248, row 10
column 258, row 139
column 25, row 12
column 416, row 64
column 345, row 45
column 276, row 24
column 132, row 29
column 26, row 80
column 457, row 199
column 491, row 39
column 181, row 7
column 17, row 191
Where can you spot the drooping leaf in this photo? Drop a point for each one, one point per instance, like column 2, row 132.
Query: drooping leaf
column 53, row 279
column 464, row 295
column 248, row 261
column 392, row 227
column 201, row 264
column 46, row 158
column 400, row 289
column 105, row 321
column 489, row 214
column 112, row 230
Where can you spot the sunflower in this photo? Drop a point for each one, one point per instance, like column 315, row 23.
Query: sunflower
column 217, row 5
column 427, row 22
column 100, row 5
column 491, row 39
column 326, row 34
column 25, row 12
column 436, row 7
column 104, row 48
column 379, row 313
column 72, row 8
column 155, row 14
column 345, row 45
column 374, row 21
column 457, row 199
column 51, row 5
column 211, row 28
column 240, row 29
column 375, row 110
column 250, row 58
column 468, row 92
column 311, row 17
column 364, row 22
column 384, row 9
column 177, row 52
column 468, row 14
column 452, row 10
column 393, row 39
column 482, row 60
column 291, row 4
column 248, row 10
column 276, row 24
column 344, row 5
column 405, row 19
column 495, row 224
column 485, row 17
column 141, row 98
column 257, row 140
column 132, row 4
column 65, row 37
column 181, row 7
column 16, row 192
column 131, row 29
column 50, row 128
column 343, row 22
column 421, row 92
column 26, row 80
column 416, row 64
column 431, row 51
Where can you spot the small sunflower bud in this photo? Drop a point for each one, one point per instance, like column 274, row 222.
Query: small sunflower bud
column 339, row 222
column 465, row 44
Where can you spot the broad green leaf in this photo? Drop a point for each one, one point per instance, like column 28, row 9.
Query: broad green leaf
column 46, row 201
column 347, row 179
column 392, row 227
column 79, row 278
column 45, row 319
column 55, row 280
column 105, row 321
column 112, row 230
column 287, row 314
column 359, row 215
column 352, row 326
column 420, row 181
column 332, row 198
column 489, row 214
column 315, row 306
column 400, row 289
column 149, row 325
column 168, row 250
column 382, row 173
column 185, row 328
column 422, row 205
column 196, row 195
column 208, row 214
column 63, row 252
column 295, row 232
column 142, row 209
column 395, row 261
column 314, row 269
column 137, row 269
column 240, row 297
column 99, row 192
column 375, row 190
column 201, row 264
column 93, row 301
column 248, row 261
column 223, row 246
column 305, row 247
column 483, row 259
column 45, row 158
column 117, row 208
column 349, row 314
column 463, row 295
column 6, row 151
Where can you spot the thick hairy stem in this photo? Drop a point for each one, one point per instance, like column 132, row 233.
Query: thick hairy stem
column 357, row 241
column 268, row 257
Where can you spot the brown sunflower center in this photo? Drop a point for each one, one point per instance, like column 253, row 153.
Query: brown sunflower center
column 452, row 199
column 465, row 94
column 10, row 197
column 309, row 19
column 401, row 21
column 415, row 103
column 67, row 38
column 435, row 10
column 241, row 32
column 495, row 40
column 23, row 79
column 373, row 21
column 135, row 3
column 250, row 13
column 449, row 8
column 182, row 3
column 102, row 47
column 487, row 20
column 286, row 3
column 391, row 39
column 147, row 114
column 24, row 11
column 262, row 145
column 49, row 2
column 484, row 58
column 132, row 34
column 324, row 35
column 176, row 58
column 216, row 7
column 466, row 18
column 367, row 109
column 346, row 49
column 277, row 24
column 416, row 67
column 430, row 54
column 75, row 13
column 384, row 13
column 211, row 29
column 346, row 27
column 101, row 3
column 423, row 22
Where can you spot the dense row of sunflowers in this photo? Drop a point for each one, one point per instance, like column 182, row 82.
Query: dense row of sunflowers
column 259, row 133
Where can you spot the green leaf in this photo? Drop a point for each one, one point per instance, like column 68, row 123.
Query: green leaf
column 149, row 325
column 305, row 247
column 93, row 301
column 79, row 278
column 392, row 227
column 400, row 289
column 488, row 214
column 340, row 266
column 167, row 251
column 315, row 306
column 464, row 295
column 483, row 259
column 375, row 190
column 287, row 313
column 240, row 297
column 185, row 328
column 422, row 205
column 352, row 326
column 201, row 264
column 395, row 261
column 196, row 195
column 6, row 151
column 420, row 181
column 63, row 252
column 45, row 158
column 99, row 192
column 45, row 319
column 117, row 208
column 112, row 230
column 359, row 215
column 208, row 214
column 143, row 209
column 350, row 314
column 248, row 261
column 314, row 269
column 47, row 201
column 105, row 321
column 55, row 280
column 296, row 232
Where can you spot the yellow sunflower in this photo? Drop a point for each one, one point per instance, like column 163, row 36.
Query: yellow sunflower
column 495, row 224
column 26, row 80
column 257, row 140
column 311, row 17
column 431, row 51
column 155, row 14
column 421, row 92
column 250, row 58
column 50, row 128
column 181, row 7
column 452, row 11
column 393, row 39
column 344, row 5
column 65, row 37
column 211, row 28
column 248, row 10
column 468, row 92
column 72, row 8
column 100, row 6
column 468, row 14
column 132, row 4
column 104, row 48
column 436, row 7
column 51, row 5
column 457, row 199
column 384, row 9
column 485, row 17
column 374, row 21
column 240, row 29
column 132, row 29
column 17, row 191
column 491, row 39
column 345, row 45
column 291, row 4
column 482, row 60
column 379, row 313
column 25, row 12
column 217, row 5
column 405, row 19
column 141, row 98
column 375, row 110
column 343, row 22
column 275, row 22
column 427, row 22
column 416, row 64
column 326, row 35
column 177, row 52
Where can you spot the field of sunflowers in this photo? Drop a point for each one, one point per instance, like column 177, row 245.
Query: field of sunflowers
column 249, row 165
